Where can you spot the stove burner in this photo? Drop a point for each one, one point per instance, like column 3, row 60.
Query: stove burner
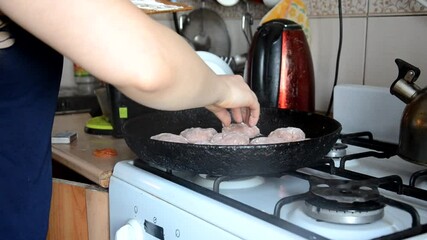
column 344, row 201
column 344, row 213
column 337, row 151
column 344, row 191
column 225, row 182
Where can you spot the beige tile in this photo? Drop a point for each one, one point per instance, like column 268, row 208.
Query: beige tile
column 234, row 12
column 395, row 7
column 395, row 37
column 324, row 47
column 328, row 8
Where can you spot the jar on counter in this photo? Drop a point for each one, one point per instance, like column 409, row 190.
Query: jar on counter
column 86, row 83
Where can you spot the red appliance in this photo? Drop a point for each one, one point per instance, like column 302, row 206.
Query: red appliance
column 280, row 68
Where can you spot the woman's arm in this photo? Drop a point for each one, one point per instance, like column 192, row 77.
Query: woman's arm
column 147, row 61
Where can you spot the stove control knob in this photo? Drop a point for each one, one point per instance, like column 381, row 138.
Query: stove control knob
column 131, row 231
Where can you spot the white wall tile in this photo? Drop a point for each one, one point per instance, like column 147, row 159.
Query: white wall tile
column 395, row 37
column 324, row 47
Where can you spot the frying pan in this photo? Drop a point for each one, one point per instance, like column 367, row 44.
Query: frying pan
column 235, row 160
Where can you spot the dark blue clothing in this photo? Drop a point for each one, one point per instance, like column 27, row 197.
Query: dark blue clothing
column 30, row 74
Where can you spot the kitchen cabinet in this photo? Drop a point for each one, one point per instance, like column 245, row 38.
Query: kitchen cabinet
column 79, row 211
column 79, row 207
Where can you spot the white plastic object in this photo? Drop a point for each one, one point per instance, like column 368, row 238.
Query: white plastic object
column 270, row 3
column 131, row 231
column 228, row 3
column 217, row 65
column 377, row 110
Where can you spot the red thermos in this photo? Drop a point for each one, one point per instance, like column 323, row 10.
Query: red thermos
column 280, row 68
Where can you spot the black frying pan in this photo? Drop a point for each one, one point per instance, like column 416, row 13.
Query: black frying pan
column 236, row 160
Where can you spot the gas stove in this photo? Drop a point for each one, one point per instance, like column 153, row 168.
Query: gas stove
column 310, row 203
column 362, row 190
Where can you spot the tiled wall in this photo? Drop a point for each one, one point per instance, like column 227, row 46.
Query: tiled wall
column 375, row 33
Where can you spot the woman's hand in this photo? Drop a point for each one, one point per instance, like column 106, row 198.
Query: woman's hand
column 239, row 99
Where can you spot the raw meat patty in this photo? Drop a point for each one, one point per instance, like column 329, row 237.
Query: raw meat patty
column 198, row 135
column 232, row 138
column 169, row 137
column 267, row 140
column 289, row 134
column 242, row 128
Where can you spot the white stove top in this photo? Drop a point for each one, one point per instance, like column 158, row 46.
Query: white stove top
column 262, row 193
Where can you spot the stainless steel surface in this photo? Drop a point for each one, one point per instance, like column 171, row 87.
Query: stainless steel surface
column 337, row 151
column 280, row 68
column 104, row 102
column 247, row 22
column 343, row 217
column 205, row 29
column 201, row 41
column 404, row 91
column 413, row 126
column 413, row 130
column 236, row 63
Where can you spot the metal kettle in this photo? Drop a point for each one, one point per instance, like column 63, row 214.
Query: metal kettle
column 279, row 68
column 413, row 126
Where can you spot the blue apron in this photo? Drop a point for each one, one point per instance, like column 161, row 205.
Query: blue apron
column 30, row 74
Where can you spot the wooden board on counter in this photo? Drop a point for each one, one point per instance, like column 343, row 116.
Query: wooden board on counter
column 168, row 6
column 78, row 156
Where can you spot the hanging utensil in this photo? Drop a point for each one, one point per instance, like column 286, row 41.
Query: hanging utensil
column 201, row 41
column 213, row 27
column 247, row 22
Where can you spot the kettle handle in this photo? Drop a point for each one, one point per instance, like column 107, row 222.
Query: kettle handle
column 407, row 71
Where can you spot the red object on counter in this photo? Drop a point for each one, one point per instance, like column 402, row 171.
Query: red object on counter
column 104, row 153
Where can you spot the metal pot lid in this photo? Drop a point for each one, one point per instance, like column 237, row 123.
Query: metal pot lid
column 212, row 25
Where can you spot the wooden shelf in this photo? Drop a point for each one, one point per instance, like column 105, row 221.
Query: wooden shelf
column 169, row 7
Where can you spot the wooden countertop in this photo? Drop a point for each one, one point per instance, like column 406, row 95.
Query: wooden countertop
column 78, row 154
